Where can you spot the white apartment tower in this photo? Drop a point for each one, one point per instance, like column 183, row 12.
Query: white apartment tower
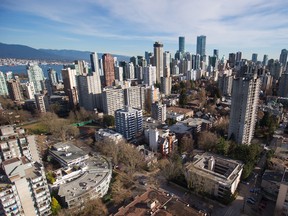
column 112, row 100
column 129, row 122
column 244, row 107
column 149, row 75
column 89, row 91
column 134, row 96
column 3, row 85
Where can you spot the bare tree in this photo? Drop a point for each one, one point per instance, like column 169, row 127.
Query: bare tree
column 207, row 141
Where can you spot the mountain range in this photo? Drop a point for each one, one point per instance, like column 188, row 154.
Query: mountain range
column 26, row 52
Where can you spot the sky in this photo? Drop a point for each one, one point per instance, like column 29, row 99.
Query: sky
column 130, row 27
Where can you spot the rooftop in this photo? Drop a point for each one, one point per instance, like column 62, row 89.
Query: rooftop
column 67, row 151
column 98, row 168
column 157, row 203
column 216, row 167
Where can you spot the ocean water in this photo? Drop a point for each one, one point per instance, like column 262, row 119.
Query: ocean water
column 21, row 69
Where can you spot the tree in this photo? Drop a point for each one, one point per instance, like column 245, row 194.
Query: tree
column 207, row 141
column 55, row 206
column 222, row 146
column 183, row 98
column 186, row 143
column 109, row 120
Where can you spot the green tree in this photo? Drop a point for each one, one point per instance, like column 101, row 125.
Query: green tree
column 109, row 120
column 50, row 177
column 55, row 206
column 222, row 146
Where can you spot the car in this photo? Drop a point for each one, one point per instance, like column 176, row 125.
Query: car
column 250, row 201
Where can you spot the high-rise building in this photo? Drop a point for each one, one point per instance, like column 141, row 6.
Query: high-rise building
column 94, row 62
column 232, row 59
column 181, row 44
column 196, row 62
column 29, row 91
column 225, row 84
column 13, row 86
column 3, row 84
column 158, row 111
column 265, row 60
column 283, row 87
column 42, row 103
column 201, row 45
column 166, row 59
column 281, row 207
column 149, row 75
column 166, row 82
column 35, row 75
column 254, row 57
column 129, row 122
column 244, row 107
column 112, row 100
column 216, row 53
column 70, row 85
column 89, row 91
column 283, row 58
column 130, row 71
column 238, row 56
column 52, row 74
column 108, row 66
column 158, row 55
column 119, row 73
column 134, row 97
column 25, row 190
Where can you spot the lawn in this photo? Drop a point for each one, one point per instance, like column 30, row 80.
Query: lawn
column 36, row 128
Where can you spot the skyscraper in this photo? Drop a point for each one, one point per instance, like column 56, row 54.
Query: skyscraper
column 244, row 107
column 254, row 57
column 283, row 58
column 35, row 75
column 158, row 55
column 238, row 56
column 129, row 122
column 216, row 53
column 52, row 74
column 14, row 90
column 149, row 75
column 108, row 66
column 112, row 100
column 3, row 84
column 89, row 91
column 201, row 45
column 265, row 60
column 181, row 44
column 70, row 85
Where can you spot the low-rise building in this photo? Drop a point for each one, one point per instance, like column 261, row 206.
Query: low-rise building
column 82, row 177
column 213, row 174
column 270, row 184
column 281, row 207
column 107, row 134
column 68, row 154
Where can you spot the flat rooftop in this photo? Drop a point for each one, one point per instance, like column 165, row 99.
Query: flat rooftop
column 141, row 206
column 223, row 169
column 98, row 168
column 67, row 151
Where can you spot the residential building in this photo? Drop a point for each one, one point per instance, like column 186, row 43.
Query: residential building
column 29, row 90
column 3, row 85
column 90, row 175
column 283, row 58
column 52, row 74
column 129, row 122
column 42, row 103
column 89, row 91
column 166, row 82
column 112, row 100
column 107, row 134
column 134, row 96
column 212, row 174
column 35, row 75
column 283, row 87
column 29, row 181
column 225, row 84
column 158, row 55
column 70, row 85
column 14, row 90
column 265, row 60
column 119, row 73
column 158, row 111
column 149, row 75
column 281, row 207
column 108, row 66
column 244, row 107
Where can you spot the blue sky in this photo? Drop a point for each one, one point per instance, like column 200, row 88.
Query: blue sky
column 130, row 27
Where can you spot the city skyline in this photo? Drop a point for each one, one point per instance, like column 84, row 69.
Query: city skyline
column 131, row 28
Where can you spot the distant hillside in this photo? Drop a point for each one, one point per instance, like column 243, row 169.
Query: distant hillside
column 26, row 52
column 23, row 52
